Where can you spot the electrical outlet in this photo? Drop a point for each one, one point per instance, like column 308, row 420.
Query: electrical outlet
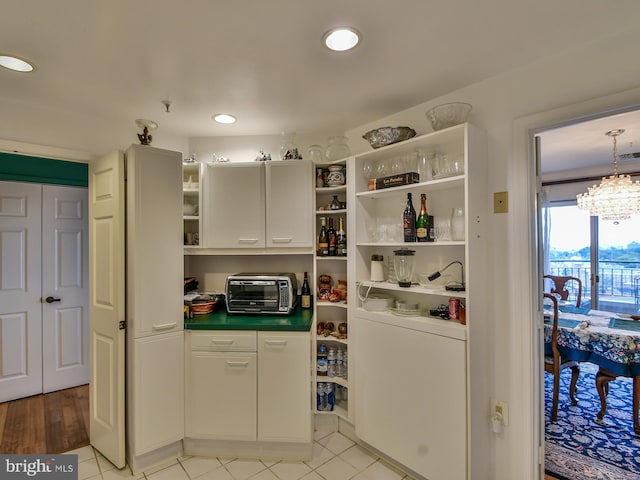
column 500, row 202
column 501, row 408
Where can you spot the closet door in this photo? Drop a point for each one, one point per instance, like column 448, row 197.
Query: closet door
column 20, row 274
column 65, row 292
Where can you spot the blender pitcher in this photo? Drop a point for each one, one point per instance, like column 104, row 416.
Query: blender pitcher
column 403, row 262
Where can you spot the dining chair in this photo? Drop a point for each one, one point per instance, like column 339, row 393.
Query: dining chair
column 555, row 363
column 560, row 287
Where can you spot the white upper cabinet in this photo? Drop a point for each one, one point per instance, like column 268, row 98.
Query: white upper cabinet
column 257, row 205
column 234, row 206
column 289, row 202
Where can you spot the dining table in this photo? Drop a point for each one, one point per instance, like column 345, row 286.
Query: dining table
column 607, row 339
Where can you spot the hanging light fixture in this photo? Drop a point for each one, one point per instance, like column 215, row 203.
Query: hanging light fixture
column 617, row 197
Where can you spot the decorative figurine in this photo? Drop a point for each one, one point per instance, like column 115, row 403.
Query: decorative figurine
column 146, row 125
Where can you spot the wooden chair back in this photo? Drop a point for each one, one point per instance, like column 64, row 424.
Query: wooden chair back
column 560, row 287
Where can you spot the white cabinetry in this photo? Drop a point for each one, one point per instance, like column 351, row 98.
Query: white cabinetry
column 415, row 379
column 247, row 389
column 221, row 386
column 446, row 359
column 253, row 205
column 154, row 272
column 284, row 363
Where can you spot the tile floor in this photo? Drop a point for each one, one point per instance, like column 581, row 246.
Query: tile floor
column 335, row 457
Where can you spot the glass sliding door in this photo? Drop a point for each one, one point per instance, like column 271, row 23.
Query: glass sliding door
column 604, row 255
column 570, row 247
column 619, row 265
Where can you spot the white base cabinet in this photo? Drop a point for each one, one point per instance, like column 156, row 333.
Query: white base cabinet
column 411, row 401
column 284, row 389
column 247, row 387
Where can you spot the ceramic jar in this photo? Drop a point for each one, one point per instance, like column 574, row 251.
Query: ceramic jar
column 336, row 176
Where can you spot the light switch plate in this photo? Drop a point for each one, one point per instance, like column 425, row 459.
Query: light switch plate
column 500, row 202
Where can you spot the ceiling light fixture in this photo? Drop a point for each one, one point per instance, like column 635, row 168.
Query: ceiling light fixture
column 16, row 64
column 617, row 197
column 341, row 39
column 224, row 118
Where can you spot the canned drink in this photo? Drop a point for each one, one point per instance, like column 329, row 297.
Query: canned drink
column 454, row 308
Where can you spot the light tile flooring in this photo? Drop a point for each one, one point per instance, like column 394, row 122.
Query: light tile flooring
column 335, row 457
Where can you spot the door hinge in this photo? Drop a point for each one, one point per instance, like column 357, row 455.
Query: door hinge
column 121, row 325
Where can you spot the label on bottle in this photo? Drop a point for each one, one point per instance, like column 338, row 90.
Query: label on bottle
column 421, row 234
column 305, row 301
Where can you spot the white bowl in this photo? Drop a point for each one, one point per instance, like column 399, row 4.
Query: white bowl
column 188, row 209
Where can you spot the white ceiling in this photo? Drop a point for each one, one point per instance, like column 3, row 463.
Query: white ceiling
column 102, row 64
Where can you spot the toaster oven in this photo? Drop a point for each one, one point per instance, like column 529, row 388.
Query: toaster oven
column 272, row 293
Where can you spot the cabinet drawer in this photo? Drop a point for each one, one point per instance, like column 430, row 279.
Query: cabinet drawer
column 224, row 341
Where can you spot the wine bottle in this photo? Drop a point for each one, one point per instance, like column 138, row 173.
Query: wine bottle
column 422, row 231
column 409, row 221
column 341, row 239
column 323, row 241
column 305, row 293
column 333, row 241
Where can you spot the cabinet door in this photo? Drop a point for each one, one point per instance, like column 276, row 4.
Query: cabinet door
column 222, row 396
column 410, row 397
column 289, row 203
column 156, row 416
column 234, row 207
column 155, row 279
column 284, row 410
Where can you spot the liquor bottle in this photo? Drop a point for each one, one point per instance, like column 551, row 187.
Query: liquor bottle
column 409, row 221
column 341, row 239
column 305, row 293
column 323, row 240
column 333, row 241
column 422, row 230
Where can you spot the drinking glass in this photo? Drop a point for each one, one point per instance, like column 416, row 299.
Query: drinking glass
column 457, row 224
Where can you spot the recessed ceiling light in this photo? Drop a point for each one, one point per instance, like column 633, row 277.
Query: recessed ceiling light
column 341, row 39
column 224, row 118
column 15, row 63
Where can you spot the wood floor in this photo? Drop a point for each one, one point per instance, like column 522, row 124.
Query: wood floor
column 55, row 422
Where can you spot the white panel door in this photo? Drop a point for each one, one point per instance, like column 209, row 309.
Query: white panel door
column 107, row 306
column 65, row 290
column 20, row 274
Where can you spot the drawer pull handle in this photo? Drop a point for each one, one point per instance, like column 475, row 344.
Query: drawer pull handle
column 237, row 364
column 275, row 342
column 222, row 342
column 282, row 240
column 247, row 240
column 165, row 326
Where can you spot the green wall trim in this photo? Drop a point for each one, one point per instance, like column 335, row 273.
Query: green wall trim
column 23, row 168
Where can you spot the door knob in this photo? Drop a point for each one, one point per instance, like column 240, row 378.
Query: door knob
column 51, row 299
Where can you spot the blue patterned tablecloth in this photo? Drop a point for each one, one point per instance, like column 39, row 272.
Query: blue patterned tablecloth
column 592, row 340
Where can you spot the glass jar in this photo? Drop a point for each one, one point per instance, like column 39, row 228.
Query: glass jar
column 424, row 165
column 457, row 224
column 337, row 148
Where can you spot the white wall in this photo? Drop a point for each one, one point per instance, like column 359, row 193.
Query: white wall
column 570, row 85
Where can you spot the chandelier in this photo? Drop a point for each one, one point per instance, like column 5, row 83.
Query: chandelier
column 617, row 197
